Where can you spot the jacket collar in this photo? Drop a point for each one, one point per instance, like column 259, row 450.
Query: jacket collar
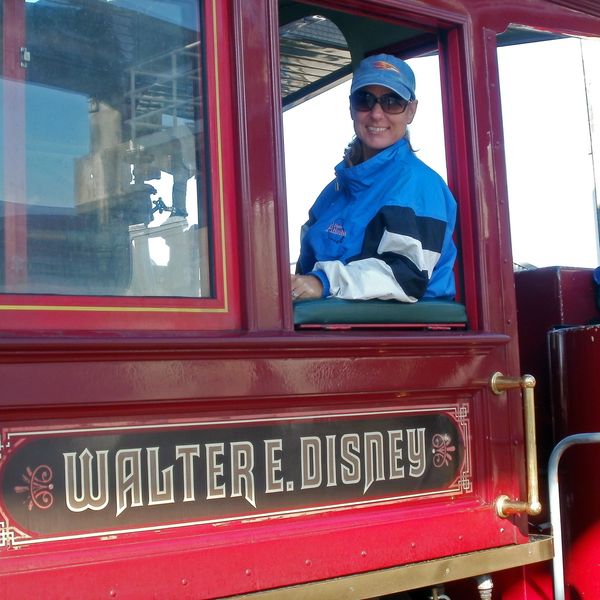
column 356, row 178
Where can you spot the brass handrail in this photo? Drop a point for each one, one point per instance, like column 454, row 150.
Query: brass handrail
column 504, row 505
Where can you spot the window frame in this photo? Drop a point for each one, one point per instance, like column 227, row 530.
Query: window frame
column 221, row 311
column 456, row 87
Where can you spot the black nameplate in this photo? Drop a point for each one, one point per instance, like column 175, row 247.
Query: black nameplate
column 74, row 482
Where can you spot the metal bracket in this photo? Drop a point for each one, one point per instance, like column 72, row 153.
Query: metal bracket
column 25, row 57
column 555, row 518
column 504, row 505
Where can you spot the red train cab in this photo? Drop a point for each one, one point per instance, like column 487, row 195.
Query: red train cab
column 173, row 425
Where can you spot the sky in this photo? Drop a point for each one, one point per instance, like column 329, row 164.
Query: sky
column 548, row 150
column 548, row 141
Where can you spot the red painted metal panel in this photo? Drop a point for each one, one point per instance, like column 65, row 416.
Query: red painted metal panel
column 308, row 379
column 547, row 298
column 587, row 6
column 264, row 258
column 243, row 373
column 256, row 556
column 269, row 370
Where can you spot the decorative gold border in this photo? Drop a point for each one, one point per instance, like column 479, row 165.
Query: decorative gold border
column 147, row 309
column 220, row 153
column 465, row 481
column 220, row 186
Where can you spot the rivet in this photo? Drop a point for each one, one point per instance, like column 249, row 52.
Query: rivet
column 112, row 593
column 363, row 553
column 184, row 582
column 308, row 562
column 248, row 572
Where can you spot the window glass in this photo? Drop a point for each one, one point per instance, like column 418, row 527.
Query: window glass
column 104, row 158
column 550, row 109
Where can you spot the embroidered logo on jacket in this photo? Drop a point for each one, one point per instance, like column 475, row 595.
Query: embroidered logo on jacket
column 336, row 231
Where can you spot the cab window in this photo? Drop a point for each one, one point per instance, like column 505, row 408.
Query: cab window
column 319, row 48
column 106, row 161
column 552, row 144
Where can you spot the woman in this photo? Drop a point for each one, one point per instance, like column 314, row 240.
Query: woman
column 383, row 228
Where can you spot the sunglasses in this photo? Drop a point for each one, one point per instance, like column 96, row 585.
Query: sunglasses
column 390, row 103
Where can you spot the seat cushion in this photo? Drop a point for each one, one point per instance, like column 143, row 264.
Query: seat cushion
column 332, row 311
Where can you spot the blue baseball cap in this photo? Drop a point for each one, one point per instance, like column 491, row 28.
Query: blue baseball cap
column 388, row 71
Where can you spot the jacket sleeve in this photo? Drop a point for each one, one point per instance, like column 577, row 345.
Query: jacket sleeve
column 398, row 255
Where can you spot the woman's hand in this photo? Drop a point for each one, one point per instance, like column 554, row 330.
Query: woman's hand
column 306, row 287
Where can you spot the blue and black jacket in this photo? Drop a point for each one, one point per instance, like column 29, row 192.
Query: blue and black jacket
column 382, row 229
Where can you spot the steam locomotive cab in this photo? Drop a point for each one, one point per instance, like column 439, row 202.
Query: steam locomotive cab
column 171, row 423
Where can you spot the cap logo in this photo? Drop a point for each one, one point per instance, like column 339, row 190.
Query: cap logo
column 386, row 66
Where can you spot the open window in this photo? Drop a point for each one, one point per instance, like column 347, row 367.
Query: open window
column 551, row 107
column 319, row 48
column 113, row 198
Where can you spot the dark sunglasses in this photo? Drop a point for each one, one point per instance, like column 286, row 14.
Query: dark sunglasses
column 390, row 103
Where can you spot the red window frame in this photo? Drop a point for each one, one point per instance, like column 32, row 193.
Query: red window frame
column 76, row 313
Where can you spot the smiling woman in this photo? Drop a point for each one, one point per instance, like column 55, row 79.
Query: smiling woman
column 327, row 112
column 383, row 229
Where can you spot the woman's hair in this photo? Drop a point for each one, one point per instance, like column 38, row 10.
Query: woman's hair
column 353, row 154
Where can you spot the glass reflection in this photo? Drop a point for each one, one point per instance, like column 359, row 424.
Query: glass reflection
column 105, row 191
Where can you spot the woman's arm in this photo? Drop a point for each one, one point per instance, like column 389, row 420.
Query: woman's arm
column 399, row 253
